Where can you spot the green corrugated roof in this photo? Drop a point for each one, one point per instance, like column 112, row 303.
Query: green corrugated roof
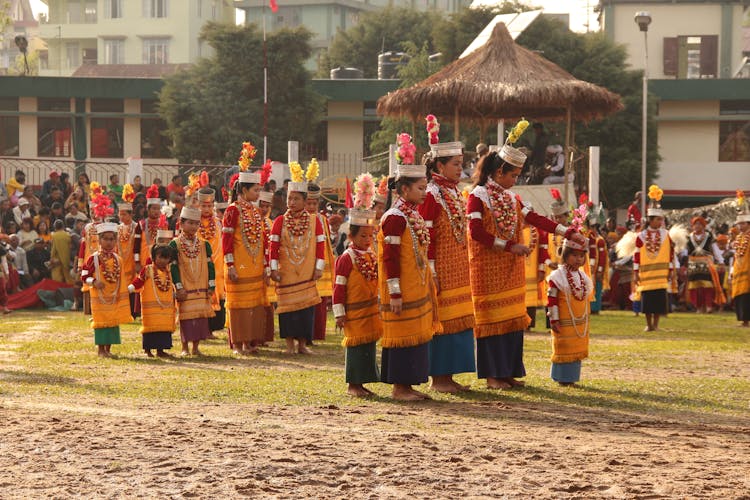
column 707, row 89
column 354, row 90
column 66, row 86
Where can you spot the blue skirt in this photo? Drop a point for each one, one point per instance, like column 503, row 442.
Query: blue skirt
column 297, row 324
column 405, row 365
column 596, row 306
column 452, row 353
column 501, row 356
column 566, row 372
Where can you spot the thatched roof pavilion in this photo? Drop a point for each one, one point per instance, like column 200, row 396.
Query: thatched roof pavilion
column 501, row 81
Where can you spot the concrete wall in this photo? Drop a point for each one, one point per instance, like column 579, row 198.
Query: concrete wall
column 345, row 137
column 690, row 150
column 671, row 20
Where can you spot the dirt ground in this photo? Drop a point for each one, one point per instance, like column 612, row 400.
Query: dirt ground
column 56, row 449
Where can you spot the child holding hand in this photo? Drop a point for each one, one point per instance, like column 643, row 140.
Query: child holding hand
column 568, row 305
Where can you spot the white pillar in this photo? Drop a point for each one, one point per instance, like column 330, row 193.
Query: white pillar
column 292, row 151
column 594, row 174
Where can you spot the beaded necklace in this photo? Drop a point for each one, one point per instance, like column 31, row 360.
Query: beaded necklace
column 297, row 225
column 741, row 244
column 454, row 205
column 251, row 223
column 190, row 247
column 163, row 284
column 102, row 259
column 151, row 229
column 534, row 241
column 579, row 293
column 503, row 208
column 366, row 262
column 653, row 241
column 300, row 240
column 420, row 237
column 124, row 232
column 207, row 231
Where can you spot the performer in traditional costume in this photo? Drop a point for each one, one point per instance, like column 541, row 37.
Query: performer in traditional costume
column 560, row 214
column 90, row 243
column 408, row 301
column 129, row 243
column 158, row 311
column 381, row 198
column 265, row 200
column 194, row 279
column 297, row 253
column 154, row 220
column 355, row 293
column 444, row 213
column 536, row 287
column 704, row 287
column 569, row 307
column 598, row 257
column 496, row 260
column 740, row 274
column 653, row 263
column 110, row 305
column 245, row 244
column 325, row 283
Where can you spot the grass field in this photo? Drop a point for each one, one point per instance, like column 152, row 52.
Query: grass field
column 696, row 364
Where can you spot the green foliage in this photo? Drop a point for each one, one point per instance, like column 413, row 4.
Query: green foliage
column 594, row 58
column 385, row 29
column 217, row 104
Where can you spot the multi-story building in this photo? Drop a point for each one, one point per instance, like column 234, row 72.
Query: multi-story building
column 695, row 56
column 21, row 22
column 153, row 32
column 326, row 17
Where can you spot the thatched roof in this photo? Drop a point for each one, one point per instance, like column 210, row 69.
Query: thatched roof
column 501, row 80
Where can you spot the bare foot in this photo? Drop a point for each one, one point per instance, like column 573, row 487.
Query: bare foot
column 184, row 354
column 358, row 391
column 162, row 354
column 290, row 351
column 408, row 395
column 745, row 324
column 211, row 336
column 567, row 384
column 515, row 383
column 196, row 352
column 6, row 310
column 647, row 329
column 305, row 350
column 496, row 383
column 149, row 353
column 461, row 387
column 104, row 354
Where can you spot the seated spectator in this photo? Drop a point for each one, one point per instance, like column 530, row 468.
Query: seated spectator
column 38, row 259
column 176, row 186
column 114, row 186
column 6, row 212
column 74, row 215
column 4, row 275
column 138, row 186
column 22, row 211
column 556, row 165
column 55, row 196
column 34, row 201
column 42, row 229
column 15, row 187
column 162, row 189
column 52, row 182
column 56, row 213
column 77, row 197
column 27, row 234
column 10, row 227
column 65, row 186
column 42, row 215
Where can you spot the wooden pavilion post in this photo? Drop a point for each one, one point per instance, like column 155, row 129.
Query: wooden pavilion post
column 568, row 134
column 456, row 132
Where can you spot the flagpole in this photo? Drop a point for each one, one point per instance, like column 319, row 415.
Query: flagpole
column 265, row 87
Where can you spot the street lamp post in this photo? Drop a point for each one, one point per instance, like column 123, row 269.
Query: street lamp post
column 643, row 19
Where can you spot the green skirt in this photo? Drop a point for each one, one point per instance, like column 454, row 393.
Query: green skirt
column 361, row 365
column 107, row 336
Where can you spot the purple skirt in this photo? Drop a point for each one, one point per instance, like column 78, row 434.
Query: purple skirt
column 192, row 330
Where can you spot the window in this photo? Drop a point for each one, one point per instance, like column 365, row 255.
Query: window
column 214, row 10
column 53, row 136
column 155, row 50
column 113, row 9
column 734, row 136
column 106, row 137
column 89, row 56
column 107, row 105
column 154, row 144
column 114, row 51
column 53, row 104
column 89, row 12
column 154, row 8
column 72, row 55
column 691, row 56
column 9, row 144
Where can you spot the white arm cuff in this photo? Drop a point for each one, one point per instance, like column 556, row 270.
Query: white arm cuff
column 552, row 292
column 339, row 310
column 475, row 215
column 499, row 243
column 90, row 281
column 392, row 240
column 275, row 238
column 211, row 283
column 561, row 230
column 320, row 264
column 84, row 272
column 428, row 224
column 554, row 314
column 137, row 257
column 432, row 267
column 541, row 267
column 320, row 238
column 394, row 286
column 131, row 288
column 229, row 258
column 274, row 265
column 227, row 230
column 636, row 266
column 527, row 209
column 178, row 286
column 341, row 280
column 548, row 262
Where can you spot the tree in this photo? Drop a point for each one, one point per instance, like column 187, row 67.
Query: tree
column 594, row 58
column 214, row 106
column 378, row 31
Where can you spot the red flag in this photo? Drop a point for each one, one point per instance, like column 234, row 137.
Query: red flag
column 349, row 202
column 274, row 6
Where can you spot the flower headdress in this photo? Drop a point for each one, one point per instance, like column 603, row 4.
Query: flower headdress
column 655, row 195
column 95, row 188
column 433, row 129
column 558, row 206
column 152, row 195
column 247, row 155
column 297, row 183
column 266, row 171
column 510, row 154
column 440, row 149
column 579, row 216
column 101, row 205
column 364, row 193
column 381, row 195
column 128, row 193
column 405, row 153
column 313, row 171
column 194, row 184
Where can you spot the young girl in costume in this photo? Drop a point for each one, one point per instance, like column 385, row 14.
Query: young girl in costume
column 193, row 277
column 154, row 282
column 703, row 284
column 653, row 262
column 355, row 293
column 496, row 260
column 265, row 200
column 129, row 243
column 740, row 273
column 325, row 283
column 568, row 304
column 297, row 251
column 154, row 220
column 244, row 244
column 407, row 290
column 444, row 213
column 90, row 244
